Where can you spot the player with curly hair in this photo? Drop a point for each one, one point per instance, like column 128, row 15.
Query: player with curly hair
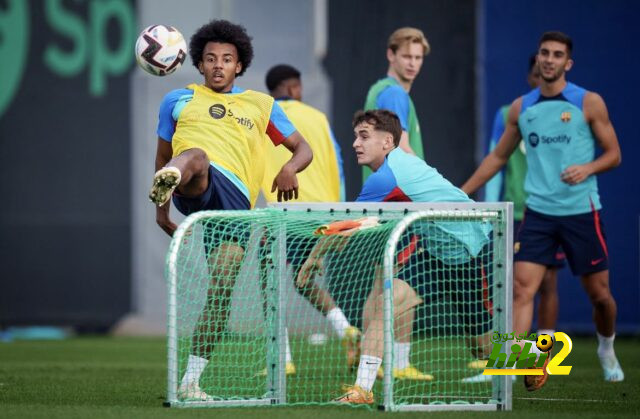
column 210, row 156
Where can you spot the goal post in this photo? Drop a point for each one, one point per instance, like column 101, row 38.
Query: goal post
column 251, row 260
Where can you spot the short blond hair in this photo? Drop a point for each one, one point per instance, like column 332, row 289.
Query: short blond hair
column 407, row 34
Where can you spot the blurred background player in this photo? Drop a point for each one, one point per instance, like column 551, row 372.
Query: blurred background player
column 560, row 124
column 324, row 178
column 406, row 50
column 448, row 249
column 210, row 156
column 322, row 181
column 508, row 185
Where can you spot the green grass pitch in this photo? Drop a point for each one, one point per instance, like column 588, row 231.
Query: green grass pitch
column 116, row 377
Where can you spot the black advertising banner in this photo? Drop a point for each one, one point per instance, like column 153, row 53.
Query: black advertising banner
column 65, row 161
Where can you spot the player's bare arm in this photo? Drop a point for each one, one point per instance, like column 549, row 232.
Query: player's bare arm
column 596, row 114
column 163, row 155
column 286, row 180
column 404, row 143
column 315, row 260
column 500, row 155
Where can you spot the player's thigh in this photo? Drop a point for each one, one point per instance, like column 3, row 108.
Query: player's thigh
column 404, row 297
column 584, row 242
column 537, row 239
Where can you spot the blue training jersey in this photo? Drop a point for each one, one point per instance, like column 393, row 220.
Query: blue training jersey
column 407, row 178
column 395, row 99
column 557, row 136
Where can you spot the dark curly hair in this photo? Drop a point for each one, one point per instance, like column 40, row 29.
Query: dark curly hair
column 225, row 32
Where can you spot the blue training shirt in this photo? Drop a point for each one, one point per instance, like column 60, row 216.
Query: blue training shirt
column 395, row 99
column 407, row 178
column 557, row 136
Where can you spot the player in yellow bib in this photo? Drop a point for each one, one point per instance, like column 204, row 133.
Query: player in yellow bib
column 211, row 151
column 322, row 181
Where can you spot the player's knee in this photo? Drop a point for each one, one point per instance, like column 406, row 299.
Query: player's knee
column 601, row 298
column 232, row 253
column 522, row 289
column 227, row 261
column 202, row 161
column 404, row 296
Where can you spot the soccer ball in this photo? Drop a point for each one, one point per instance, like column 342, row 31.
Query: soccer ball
column 544, row 343
column 160, row 50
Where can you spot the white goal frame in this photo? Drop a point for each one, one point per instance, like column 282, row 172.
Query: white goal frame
column 500, row 214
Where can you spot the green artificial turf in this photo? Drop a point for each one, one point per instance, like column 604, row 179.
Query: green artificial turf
column 101, row 377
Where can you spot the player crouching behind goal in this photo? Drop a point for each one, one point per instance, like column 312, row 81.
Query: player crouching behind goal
column 450, row 252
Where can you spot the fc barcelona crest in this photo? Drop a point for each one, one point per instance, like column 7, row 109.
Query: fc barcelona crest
column 565, row 116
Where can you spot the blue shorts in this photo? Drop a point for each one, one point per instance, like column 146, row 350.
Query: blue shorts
column 559, row 259
column 221, row 194
column 581, row 236
column 466, row 285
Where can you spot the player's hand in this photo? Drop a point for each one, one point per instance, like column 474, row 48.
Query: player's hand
column 163, row 220
column 575, row 174
column 308, row 269
column 287, row 184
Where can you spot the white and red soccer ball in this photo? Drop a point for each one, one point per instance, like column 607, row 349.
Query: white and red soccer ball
column 160, row 50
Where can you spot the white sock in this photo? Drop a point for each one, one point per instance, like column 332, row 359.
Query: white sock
column 288, row 350
column 549, row 332
column 605, row 347
column 338, row 320
column 367, row 371
column 401, row 353
column 195, row 366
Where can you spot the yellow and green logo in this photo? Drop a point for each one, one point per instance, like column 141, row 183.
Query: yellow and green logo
column 526, row 362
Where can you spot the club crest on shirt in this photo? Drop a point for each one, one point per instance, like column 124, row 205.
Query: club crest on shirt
column 565, row 116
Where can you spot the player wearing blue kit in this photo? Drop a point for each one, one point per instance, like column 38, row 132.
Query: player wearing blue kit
column 451, row 250
column 560, row 124
column 406, row 50
column 508, row 185
column 210, row 156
